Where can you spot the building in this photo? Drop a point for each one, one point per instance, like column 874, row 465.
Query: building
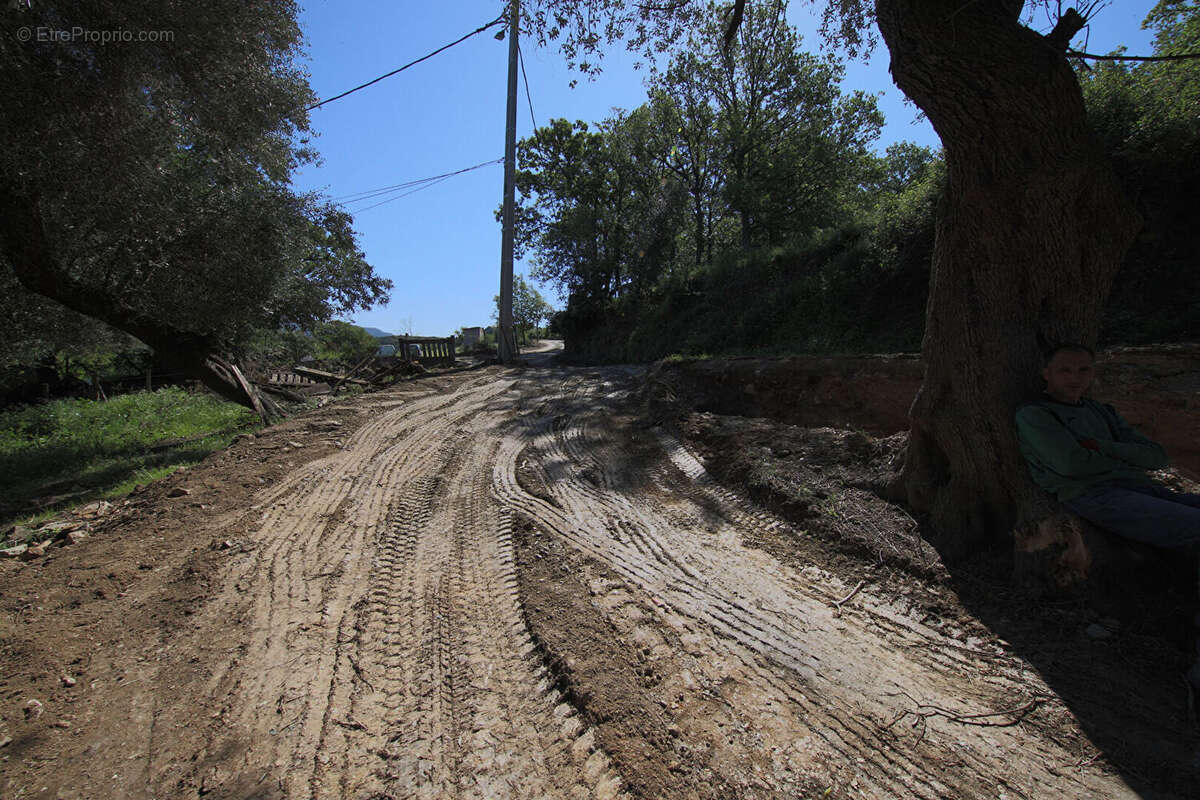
column 471, row 337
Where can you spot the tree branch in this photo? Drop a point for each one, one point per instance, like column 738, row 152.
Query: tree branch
column 735, row 21
column 1178, row 57
column 1069, row 24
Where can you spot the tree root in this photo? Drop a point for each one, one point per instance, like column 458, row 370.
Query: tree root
column 988, row 719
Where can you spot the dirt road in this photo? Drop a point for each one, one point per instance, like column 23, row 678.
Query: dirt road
column 498, row 585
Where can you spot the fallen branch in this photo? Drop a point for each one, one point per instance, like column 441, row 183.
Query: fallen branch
column 839, row 603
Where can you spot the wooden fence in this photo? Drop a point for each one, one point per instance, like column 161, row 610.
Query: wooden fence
column 434, row 351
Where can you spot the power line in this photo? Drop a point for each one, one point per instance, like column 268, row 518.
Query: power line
column 480, row 29
column 369, row 193
column 412, row 186
column 397, row 197
column 528, row 98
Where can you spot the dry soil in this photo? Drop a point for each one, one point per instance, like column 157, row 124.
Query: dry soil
column 505, row 583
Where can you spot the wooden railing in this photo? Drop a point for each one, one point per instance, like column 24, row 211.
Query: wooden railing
column 434, row 351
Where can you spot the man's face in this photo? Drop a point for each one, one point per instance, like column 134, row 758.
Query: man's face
column 1068, row 375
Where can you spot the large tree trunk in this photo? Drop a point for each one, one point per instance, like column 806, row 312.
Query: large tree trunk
column 24, row 244
column 1030, row 235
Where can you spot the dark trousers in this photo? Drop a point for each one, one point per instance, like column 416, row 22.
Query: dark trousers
column 1145, row 513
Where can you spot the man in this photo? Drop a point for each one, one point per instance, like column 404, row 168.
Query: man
column 1095, row 463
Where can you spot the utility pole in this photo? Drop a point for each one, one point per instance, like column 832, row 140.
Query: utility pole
column 505, row 342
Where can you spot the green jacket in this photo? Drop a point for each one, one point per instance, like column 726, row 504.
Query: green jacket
column 1049, row 433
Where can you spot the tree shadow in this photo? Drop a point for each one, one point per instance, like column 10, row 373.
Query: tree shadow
column 1114, row 651
column 26, row 491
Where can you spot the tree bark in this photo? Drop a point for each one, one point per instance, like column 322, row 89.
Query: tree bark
column 1030, row 234
column 24, row 244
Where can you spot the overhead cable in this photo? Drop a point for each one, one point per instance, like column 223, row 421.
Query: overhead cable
column 480, row 29
column 411, row 186
column 528, row 98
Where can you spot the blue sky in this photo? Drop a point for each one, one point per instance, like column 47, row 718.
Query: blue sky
column 441, row 245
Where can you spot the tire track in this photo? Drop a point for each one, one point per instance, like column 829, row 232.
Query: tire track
column 386, row 655
column 834, row 674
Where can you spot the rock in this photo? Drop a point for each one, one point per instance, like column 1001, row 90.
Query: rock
column 59, row 527
column 74, row 537
column 34, row 551
column 296, row 445
column 14, row 552
column 68, row 681
column 33, row 709
column 179, row 491
column 17, row 533
column 244, row 437
column 1097, row 631
column 5, row 741
column 94, row 510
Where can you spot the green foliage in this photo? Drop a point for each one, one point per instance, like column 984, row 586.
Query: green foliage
column 751, row 146
column 343, row 342
column 92, row 449
column 146, row 183
column 1145, row 115
column 529, row 309
column 835, row 292
column 779, row 232
column 787, row 140
column 280, row 346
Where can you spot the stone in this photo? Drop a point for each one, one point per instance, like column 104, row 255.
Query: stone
column 1097, row 631
column 68, row 681
column 14, row 552
column 35, row 551
column 179, row 491
column 17, row 533
column 59, row 527
column 94, row 510
column 33, row 709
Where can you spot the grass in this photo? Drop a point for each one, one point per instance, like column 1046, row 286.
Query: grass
column 67, row 452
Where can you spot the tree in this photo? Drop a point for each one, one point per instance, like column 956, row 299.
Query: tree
column 595, row 208
column 530, row 309
column 145, row 183
column 762, row 138
column 788, row 138
column 341, row 341
column 1031, row 234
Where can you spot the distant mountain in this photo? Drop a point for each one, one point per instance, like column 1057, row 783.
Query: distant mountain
column 378, row 334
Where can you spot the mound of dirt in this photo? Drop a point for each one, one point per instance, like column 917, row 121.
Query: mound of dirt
column 1157, row 389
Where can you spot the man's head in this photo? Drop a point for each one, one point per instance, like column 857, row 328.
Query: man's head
column 1069, row 371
